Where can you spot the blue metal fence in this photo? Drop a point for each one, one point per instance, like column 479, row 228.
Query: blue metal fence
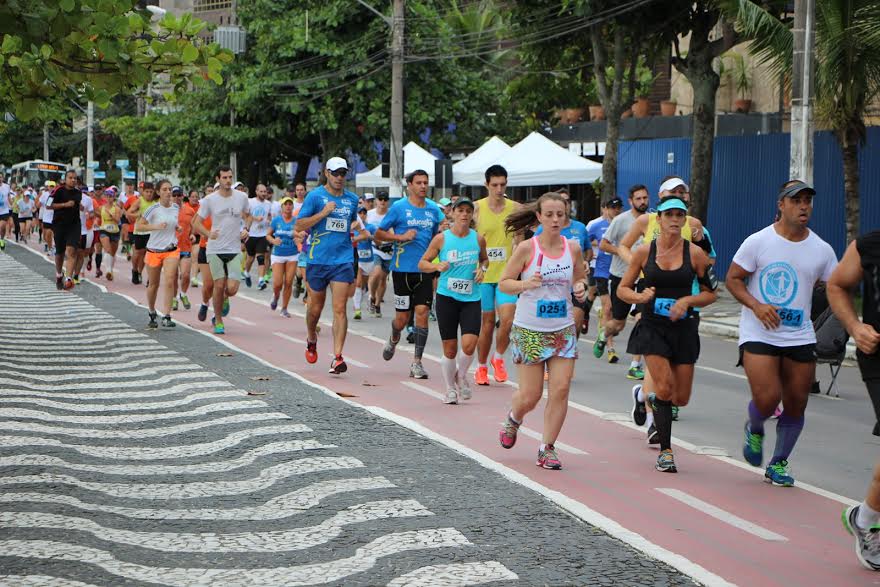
column 747, row 173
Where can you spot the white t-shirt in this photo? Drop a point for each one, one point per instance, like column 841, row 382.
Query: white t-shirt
column 161, row 240
column 261, row 212
column 783, row 275
column 226, row 218
column 46, row 215
column 4, row 198
column 275, row 211
column 87, row 208
column 374, row 218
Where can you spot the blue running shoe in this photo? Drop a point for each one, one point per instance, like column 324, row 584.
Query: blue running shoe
column 777, row 474
column 753, row 447
column 226, row 306
column 203, row 313
column 247, row 280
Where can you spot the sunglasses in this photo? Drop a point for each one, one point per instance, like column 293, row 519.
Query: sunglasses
column 339, row 173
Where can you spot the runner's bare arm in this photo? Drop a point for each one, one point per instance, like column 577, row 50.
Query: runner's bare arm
column 701, row 264
column 579, row 271
column 736, row 285
column 509, row 283
column 484, row 260
column 426, row 264
column 636, row 231
column 841, row 287
column 625, row 290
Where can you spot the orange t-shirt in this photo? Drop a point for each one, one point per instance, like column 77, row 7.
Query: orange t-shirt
column 94, row 222
column 203, row 241
column 184, row 220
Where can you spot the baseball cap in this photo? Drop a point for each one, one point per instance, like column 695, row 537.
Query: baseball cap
column 286, row 199
column 444, row 201
column 176, row 189
column 613, row 202
column 361, row 209
column 336, row 163
column 795, row 188
column 237, row 185
column 90, row 188
column 369, row 196
column 462, row 202
column 382, row 196
column 672, row 183
column 672, row 204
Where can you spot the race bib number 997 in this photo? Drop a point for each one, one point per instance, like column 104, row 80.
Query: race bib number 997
column 462, row 286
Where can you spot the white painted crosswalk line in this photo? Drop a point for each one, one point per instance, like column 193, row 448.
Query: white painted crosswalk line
column 131, row 418
column 177, row 389
column 271, row 541
column 175, row 364
column 164, row 379
column 455, row 575
column 126, row 406
column 41, row 581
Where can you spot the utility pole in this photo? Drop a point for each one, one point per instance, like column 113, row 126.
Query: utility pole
column 141, row 111
column 46, row 142
column 801, row 162
column 90, row 142
column 396, row 157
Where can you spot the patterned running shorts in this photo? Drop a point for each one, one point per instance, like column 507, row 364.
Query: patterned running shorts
column 531, row 347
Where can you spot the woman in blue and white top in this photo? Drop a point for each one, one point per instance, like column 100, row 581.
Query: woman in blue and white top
column 544, row 272
column 462, row 261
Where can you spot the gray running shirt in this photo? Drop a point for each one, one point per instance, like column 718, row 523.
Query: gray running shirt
column 615, row 233
column 226, row 218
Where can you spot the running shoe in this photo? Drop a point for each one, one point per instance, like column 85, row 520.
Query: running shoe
column 431, row 316
column 357, row 314
column 451, row 397
column 674, row 413
column 388, row 349
column 2, row 245
column 585, row 325
column 109, row 276
column 666, row 462
column 153, row 320
column 284, row 313
column 338, row 366
column 599, row 347
column 635, row 373
column 247, row 280
column 508, row 432
column 59, row 283
column 185, row 301
column 378, row 312
column 499, row 371
column 416, row 371
column 867, row 539
column 753, row 447
column 68, row 283
column 98, row 273
column 612, row 356
column 174, row 305
column 89, row 264
column 219, row 328
column 273, row 305
column 777, row 412
column 76, row 279
column 135, row 277
column 203, row 313
column 167, row 322
column 262, row 285
column 639, row 411
column 312, row 351
column 372, row 309
column 653, row 435
column 196, row 282
column 548, row 459
column 481, row 377
column 777, row 474
column 226, row 306
column 464, row 388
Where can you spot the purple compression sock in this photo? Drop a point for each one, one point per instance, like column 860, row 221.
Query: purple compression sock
column 788, row 430
column 756, row 419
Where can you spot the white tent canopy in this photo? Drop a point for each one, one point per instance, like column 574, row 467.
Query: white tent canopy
column 414, row 157
column 472, row 169
column 537, row 161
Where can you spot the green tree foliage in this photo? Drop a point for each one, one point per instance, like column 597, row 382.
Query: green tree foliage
column 54, row 50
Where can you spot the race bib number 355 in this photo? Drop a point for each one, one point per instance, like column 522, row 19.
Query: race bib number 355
column 337, row 224
column 552, row 309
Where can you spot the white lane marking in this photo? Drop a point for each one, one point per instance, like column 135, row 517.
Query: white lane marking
column 131, row 418
column 722, row 515
column 277, row 508
column 269, row 541
column 577, row 508
column 41, row 581
column 267, row 478
column 458, row 574
column 289, row 338
column 127, row 406
column 527, row 431
column 721, row 372
column 242, row 321
column 128, row 395
column 248, row 458
column 333, row 571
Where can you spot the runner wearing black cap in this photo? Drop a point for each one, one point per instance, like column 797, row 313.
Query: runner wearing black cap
column 782, row 264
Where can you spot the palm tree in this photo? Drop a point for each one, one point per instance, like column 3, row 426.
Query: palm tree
column 847, row 73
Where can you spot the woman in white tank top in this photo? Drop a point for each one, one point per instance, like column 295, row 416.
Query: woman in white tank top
column 543, row 271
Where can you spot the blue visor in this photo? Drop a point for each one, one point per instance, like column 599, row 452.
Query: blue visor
column 672, row 204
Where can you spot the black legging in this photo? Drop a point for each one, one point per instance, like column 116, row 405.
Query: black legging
column 16, row 226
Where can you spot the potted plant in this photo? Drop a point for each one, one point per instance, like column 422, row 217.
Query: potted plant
column 644, row 83
column 597, row 111
column 667, row 107
column 743, row 79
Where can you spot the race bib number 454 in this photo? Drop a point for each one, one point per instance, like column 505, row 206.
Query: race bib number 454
column 497, row 253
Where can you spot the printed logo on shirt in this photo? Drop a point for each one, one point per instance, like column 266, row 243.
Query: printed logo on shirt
column 779, row 283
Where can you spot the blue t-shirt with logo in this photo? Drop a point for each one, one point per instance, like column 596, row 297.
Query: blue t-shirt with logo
column 284, row 231
column 403, row 216
column 603, row 260
column 365, row 247
column 330, row 239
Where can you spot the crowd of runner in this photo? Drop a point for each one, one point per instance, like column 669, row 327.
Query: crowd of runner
column 492, row 271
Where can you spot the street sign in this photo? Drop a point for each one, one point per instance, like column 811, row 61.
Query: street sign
column 129, row 175
column 94, row 164
column 122, row 163
column 100, row 175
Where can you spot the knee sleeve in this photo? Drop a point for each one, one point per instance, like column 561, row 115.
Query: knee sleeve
column 261, row 259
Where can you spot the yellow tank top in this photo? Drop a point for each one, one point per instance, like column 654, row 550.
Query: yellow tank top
column 143, row 206
column 652, row 231
column 499, row 243
column 108, row 223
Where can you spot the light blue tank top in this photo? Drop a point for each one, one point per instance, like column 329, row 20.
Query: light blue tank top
column 463, row 254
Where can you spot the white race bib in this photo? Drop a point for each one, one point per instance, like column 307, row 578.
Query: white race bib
column 337, row 224
column 365, row 254
column 497, row 253
column 461, row 286
column 401, row 302
column 110, row 228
